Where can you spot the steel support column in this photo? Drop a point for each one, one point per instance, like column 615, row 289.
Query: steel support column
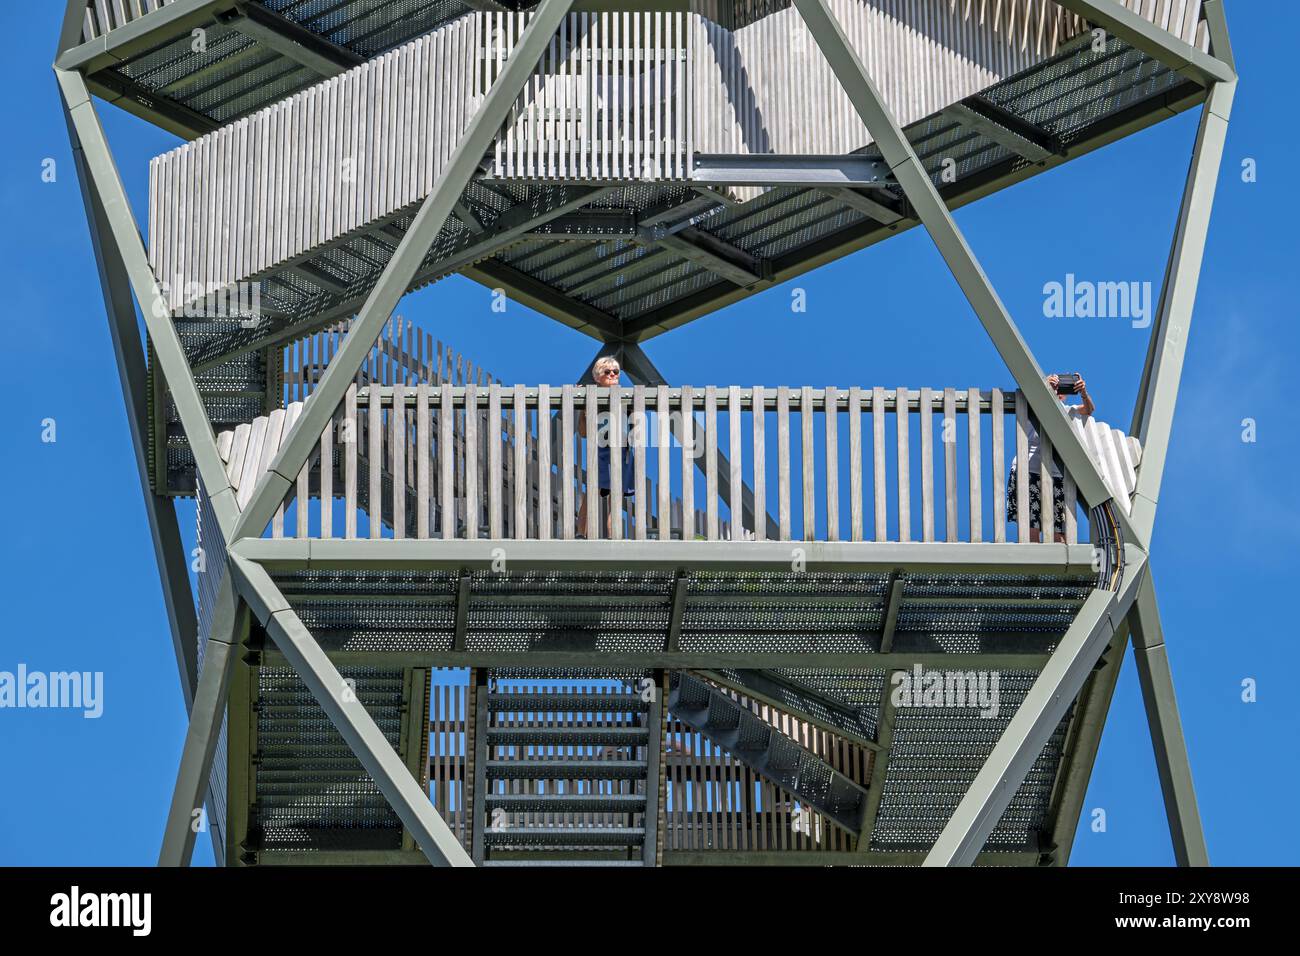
column 1153, row 419
column 363, row 736
column 933, row 213
column 1056, row 687
column 164, row 530
column 228, row 625
column 403, row 266
column 1167, row 738
column 107, row 185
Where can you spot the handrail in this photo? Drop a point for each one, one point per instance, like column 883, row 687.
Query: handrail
column 833, row 463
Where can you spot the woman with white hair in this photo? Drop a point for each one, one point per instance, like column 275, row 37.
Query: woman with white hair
column 605, row 372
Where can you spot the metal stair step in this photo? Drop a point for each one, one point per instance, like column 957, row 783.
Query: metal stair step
column 609, row 736
column 567, row 802
column 563, row 836
column 566, row 769
column 565, row 862
column 566, row 703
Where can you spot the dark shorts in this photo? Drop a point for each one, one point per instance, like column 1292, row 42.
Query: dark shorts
column 602, row 472
column 1036, row 501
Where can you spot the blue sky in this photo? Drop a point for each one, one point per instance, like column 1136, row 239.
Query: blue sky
column 81, row 590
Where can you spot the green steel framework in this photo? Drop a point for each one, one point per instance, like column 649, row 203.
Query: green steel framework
column 1102, row 626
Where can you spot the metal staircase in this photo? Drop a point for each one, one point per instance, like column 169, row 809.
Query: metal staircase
column 737, row 729
column 566, row 775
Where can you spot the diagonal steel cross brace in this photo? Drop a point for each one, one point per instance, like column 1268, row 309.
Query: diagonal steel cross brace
column 107, row 185
column 353, row 722
column 229, row 622
column 1153, row 415
column 933, row 212
column 402, row 267
column 1153, row 40
column 1038, row 715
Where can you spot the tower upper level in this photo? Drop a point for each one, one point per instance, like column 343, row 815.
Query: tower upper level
column 659, row 165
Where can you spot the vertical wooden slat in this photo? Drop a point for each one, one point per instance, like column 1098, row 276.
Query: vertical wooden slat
column 567, row 463
column 376, row 460
column 1022, row 468
column 878, row 460
column 446, row 460
column 638, row 432
column 736, row 477
column 473, row 495
column 783, row 460
column 545, row 519
column 807, row 480
column 832, row 416
column 855, row 463
column 617, row 431
column 711, row 460
column 350, row 438
column 689, row 443
column 397, row 426
column 998, row 421
column 973, row 442
column 950, row 463
column 663, row 420
column 901, row 418
column 422, row 457
column 493, row 439
column 1071, row 505
column 927, row 464
column 592, row 531
column 759, row 411
column 327, row 480
column 1047, row 490
column 520, row 418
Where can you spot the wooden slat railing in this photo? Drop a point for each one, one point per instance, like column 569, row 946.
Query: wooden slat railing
column 849, row 464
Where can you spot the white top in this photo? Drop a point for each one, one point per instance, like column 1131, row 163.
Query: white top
column 1035, row 458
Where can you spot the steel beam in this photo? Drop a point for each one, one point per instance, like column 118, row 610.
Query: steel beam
column 932, row 211
column 1055, row 689
column 97, row 161
column 230, row 620
column 74, row 22
column 292, row 41
column 140, row 35
column 402, row 267
column 412, row 554
column 885, row 721
column 407, row 798
column 882, row 212
column 1001, row 127
column 851, row 170
column 1081, row 751
column 642, row 371
column 1154, row 41
column 545, row 299
column 1167, row 738
column 1153, row 419
column 719, row 257
column 590, row 649
column 481, row 717
column 654, row 777
column 164, row 530
column 860, row 235
column 894, row 603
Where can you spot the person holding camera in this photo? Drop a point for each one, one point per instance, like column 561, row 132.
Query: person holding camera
column 1062, row 385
